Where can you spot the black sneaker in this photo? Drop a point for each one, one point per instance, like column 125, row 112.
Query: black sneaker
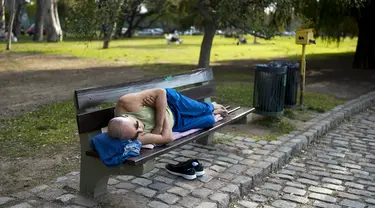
column 199, row 170
column 185, row 170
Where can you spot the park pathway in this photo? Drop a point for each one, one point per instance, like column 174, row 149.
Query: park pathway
column 338, row 171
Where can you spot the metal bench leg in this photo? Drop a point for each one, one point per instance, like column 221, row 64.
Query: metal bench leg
column 94, row 177
column 207, row 140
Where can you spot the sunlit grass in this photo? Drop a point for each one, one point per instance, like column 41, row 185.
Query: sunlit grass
column 155, row 50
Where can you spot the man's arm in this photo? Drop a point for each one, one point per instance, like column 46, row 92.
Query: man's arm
column 156, row 98
column 165, row 137
column 159, row 102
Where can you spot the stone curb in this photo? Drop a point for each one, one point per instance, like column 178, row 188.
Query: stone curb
column 300, row 139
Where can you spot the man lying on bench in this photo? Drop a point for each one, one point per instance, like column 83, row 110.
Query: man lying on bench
column 152, row 115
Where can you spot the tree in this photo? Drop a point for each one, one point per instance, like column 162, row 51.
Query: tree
column 211, row 14
column 2, row 17
column 334, row 20
column 85, row 19
column 201, row 14
column 135, row 12
column 365, row 51
column 12, row 11
column 20, row 8
column 39, row 16
column 112, row 8
column 88, row 16
column 52, row 21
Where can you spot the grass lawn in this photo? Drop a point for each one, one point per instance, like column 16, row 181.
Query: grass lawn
column 54, row 125
column 142, row 51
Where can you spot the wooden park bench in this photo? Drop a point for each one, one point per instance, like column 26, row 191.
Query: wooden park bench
column 198, row 84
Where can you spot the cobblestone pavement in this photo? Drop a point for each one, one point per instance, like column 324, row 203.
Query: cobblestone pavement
column 225, row 178
column 338, row 171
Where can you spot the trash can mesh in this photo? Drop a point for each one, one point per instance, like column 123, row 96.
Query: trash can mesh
column 269, row 90
column 292, row 81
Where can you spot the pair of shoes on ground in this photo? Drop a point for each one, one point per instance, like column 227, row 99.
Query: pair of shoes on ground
column 189, row 169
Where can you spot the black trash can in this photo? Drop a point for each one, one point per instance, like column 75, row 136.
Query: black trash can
column 269, row 89
column 292, row 80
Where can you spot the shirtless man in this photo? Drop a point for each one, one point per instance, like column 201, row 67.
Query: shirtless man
column 151, row 115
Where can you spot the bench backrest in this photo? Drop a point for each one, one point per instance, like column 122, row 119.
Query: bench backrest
column 94, row 120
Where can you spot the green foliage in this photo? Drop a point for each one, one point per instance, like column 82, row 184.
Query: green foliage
column 246, row 15
column 87, row 17
column 31, row 9
column 332, row 19
column 84, row 20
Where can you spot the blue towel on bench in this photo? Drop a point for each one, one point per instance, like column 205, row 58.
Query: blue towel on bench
column 114, row 152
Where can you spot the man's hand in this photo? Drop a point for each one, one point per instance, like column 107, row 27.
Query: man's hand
column 150, row 101
column 219, row 109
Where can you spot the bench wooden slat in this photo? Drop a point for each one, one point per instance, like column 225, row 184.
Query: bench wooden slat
column 200, row 92
column 147, row 154
column 91, row 97
column 88, row 122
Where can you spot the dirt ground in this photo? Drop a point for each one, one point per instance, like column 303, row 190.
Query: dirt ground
column 30, row 80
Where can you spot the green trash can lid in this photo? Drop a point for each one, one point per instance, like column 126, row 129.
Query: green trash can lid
column 289, row 64
column 271, row 69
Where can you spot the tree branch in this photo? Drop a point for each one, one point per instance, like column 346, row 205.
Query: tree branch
column 248, row 31
column 151, row 22
column 203, row 11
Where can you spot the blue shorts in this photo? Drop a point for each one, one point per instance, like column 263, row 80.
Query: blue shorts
column 188, row 113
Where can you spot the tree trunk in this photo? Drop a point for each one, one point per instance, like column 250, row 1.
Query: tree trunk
column 2, row 18
column 12, row 11
column 108, row 37
column 20, row 7
column 39, row 17
column 255, row 40
column 121, row 20
column 130, row 21
column 209, row 34
column 57, row 19
column 364, row 57
column 129, row 32
column 53, row 28
column 112, row 22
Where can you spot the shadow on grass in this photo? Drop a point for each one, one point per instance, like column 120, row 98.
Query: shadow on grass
column 319, row 68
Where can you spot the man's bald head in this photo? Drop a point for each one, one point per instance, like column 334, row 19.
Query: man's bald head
column 121, row 128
